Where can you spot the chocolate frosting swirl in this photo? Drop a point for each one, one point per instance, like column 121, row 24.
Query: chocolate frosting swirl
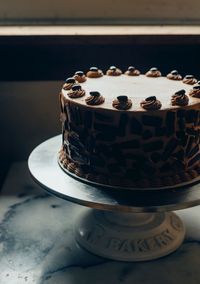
column 80, row 77
column 122, row 103
column 195, row 92
column 190, row 80
column 132, row 71
column 151, row 103
column 94, row 72
column 95, row 98
column 153, row 72
column 69, row 82
column 174, row 75
column 67, row 86
column 180, row 98
column 76, row 92
column 113, row 71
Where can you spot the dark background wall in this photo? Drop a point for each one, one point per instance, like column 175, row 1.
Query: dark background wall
column 55, row 57
column 32, row 70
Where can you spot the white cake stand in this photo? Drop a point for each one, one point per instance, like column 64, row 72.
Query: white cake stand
column 126, row 225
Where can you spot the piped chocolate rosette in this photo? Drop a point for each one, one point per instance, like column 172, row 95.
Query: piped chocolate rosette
column 122, row 103
column 69, row 82
column 195, row 92
column 132, row 71
column 80, row 77
column 190, row 80
column 95, row 98
column 174, row 75
column 76, row 92
column 94, row 72
column 153, row 72
column 113, row 71
column 151, row 103
column 180, row 98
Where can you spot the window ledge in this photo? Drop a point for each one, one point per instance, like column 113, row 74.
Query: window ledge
column 97, row 30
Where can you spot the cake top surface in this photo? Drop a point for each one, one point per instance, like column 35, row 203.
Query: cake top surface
column 134, row 88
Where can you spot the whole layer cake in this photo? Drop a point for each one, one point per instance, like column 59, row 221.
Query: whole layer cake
column 131, row 130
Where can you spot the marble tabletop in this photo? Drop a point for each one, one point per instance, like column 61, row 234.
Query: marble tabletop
column 37, row 243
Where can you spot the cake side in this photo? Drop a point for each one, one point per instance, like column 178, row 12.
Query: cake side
column 134, row 147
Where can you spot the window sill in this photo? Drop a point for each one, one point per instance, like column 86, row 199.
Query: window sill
column 101, row 34
column 52, row 52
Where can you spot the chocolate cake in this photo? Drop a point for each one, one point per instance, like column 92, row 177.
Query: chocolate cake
column 131, row 130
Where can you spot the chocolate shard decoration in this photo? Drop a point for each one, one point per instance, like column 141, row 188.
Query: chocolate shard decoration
column 153, row 146
column 148, row 169
column 66, row 125
column 137, row 158
column 160, row 131
column 194, row 151
column 191, row 131
column 165, row 168
column 136, row 126
column 103, row 117
column 154, row 121
column 178, row 165
column 114, row 168
column 181, row 113
column 190, row 145
column 117, row 155
column 105, row 150
column 130, row 144
column 183, row 138
column 78, row 156
column 180, row 155
column 123, row 124
column 194, row 160
column 197, row 121
column 106, row 136
column 147, row 134
column 88, row 119
column 73, row 138
column 181, row 123
column 97, row 161
column 76, row 115
column 170, row 148
column 133, row 174
column 190, row 116
column 170, row 123
column 155, row 157
column 90, row 143
column 105, row 128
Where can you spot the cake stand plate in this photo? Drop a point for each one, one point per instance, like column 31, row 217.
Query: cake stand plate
column 127, row 225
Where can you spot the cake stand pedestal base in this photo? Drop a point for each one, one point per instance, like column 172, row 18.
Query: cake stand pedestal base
column 125, row 225
column 129, row 236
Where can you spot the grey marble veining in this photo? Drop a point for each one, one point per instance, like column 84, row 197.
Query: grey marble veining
column 37, row 243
